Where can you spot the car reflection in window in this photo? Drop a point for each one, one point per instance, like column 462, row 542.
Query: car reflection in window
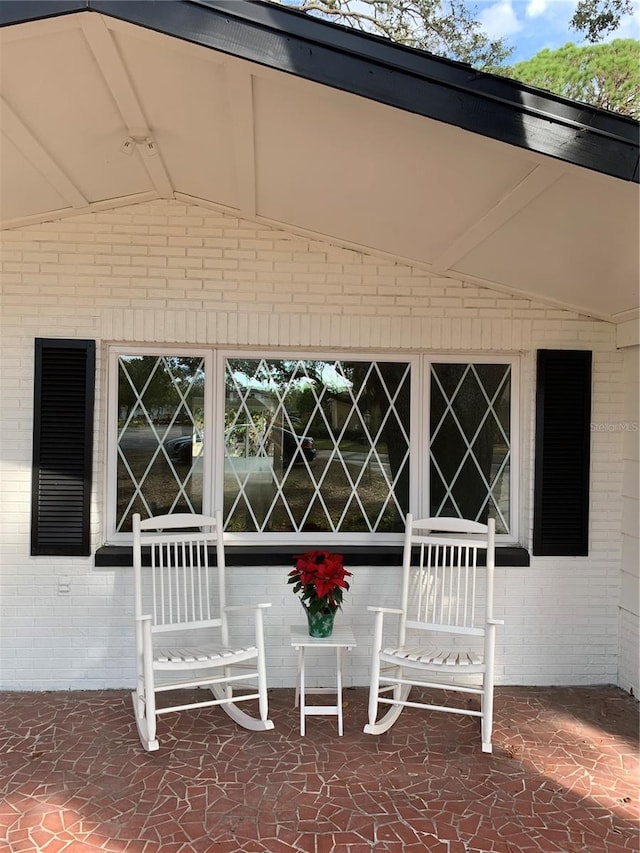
column 184, row 448
column 292, row 444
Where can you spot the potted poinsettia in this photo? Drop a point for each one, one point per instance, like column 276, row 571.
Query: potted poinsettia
column 319, row 577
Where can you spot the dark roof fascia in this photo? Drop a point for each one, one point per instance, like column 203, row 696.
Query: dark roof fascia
column 21, row 11
column 293, row 42
column 392, row 74
column 410, row 60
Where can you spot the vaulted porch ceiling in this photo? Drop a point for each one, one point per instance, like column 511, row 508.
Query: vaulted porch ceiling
column 98, row 112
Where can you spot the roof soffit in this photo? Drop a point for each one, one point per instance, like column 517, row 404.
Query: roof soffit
column 245, row 137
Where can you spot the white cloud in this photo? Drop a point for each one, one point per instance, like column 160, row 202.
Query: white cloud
column 629, row 26
column 535, row 8
column 532, row 25
column 500, row 19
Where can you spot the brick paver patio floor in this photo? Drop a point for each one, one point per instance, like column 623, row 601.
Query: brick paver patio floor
column 563, row 778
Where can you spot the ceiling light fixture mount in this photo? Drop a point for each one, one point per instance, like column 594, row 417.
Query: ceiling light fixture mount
column 129, row 144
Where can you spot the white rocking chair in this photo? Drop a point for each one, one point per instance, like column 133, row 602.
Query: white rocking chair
column 444, row 609
column 181, row 599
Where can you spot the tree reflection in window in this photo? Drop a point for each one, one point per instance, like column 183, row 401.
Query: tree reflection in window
column 316, row 446
column 160, row 436
column 470, row 441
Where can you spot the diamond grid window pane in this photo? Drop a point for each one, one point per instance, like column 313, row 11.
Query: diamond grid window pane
column 316, row 446
column 160, row 436
column 470, row 442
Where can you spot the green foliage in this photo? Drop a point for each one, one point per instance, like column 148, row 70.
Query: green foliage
column 598, row 18
column 604, row 75
column 444, row 27
column 163, row 383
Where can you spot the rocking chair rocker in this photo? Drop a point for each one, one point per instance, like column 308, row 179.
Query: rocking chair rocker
column 444, row 610
column 181, row 599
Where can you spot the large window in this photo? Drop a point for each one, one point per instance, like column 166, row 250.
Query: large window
column 306, row 449
column 316, row 446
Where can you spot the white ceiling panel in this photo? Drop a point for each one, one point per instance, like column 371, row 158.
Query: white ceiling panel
column 55, row 88
column 23, row 189
column 345, row 166
column 186, row 105
column 578, row 242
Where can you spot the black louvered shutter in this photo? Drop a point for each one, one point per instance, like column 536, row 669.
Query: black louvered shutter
column 62, row 447
column 563, row 415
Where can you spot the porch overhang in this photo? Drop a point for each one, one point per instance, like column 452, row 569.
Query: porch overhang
column 286, row 120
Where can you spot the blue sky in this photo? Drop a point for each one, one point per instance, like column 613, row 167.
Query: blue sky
column 531, row 25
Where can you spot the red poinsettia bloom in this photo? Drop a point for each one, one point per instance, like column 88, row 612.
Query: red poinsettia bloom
column 320, row 578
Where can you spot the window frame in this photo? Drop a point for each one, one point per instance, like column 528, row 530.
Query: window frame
column 208, row 354
column 213, row 487
column 511, row 538
column 316, row 539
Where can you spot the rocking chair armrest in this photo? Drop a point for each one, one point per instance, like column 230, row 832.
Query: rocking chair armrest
column 147, row 617
column 398, row 610
column 236, row 607
column 495, row 621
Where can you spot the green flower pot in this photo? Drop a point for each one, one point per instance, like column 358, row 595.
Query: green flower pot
column 320, row 623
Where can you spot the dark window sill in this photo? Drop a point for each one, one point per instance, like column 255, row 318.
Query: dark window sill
column 281, row 555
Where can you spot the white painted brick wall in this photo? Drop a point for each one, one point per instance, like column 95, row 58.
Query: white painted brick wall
column 166, row 272
column 629, row 651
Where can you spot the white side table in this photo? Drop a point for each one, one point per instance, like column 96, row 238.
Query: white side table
column 341, row 638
